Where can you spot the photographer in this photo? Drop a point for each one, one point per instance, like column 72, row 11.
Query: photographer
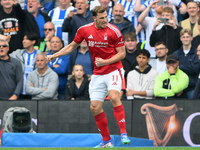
column 169, row 33
column 148, row 24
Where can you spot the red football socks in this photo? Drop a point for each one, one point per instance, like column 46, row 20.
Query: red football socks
column 102, row 124
column 120, row 117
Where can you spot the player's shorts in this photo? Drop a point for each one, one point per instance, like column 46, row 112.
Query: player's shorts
column 100, row 85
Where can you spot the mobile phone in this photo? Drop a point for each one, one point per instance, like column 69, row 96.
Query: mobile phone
column 164, row 20
column 75, row 10
column 162, row 3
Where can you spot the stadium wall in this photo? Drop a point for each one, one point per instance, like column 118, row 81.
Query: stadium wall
column 167, row 122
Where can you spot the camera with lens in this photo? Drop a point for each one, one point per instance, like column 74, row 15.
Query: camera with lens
column 17, row 119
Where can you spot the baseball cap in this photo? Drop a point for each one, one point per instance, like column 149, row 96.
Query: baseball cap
column 171, row 58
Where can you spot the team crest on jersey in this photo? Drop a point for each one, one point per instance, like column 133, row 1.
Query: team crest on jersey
column 105, row 36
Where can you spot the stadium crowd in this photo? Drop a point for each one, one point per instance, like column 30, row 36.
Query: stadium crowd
column 162, row 41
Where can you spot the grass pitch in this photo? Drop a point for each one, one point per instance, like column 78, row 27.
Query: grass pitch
column 117, row 148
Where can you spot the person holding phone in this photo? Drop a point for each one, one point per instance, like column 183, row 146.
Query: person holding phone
column 140, row 7
column 172, row 82
column 169, row 33
column 148, row 24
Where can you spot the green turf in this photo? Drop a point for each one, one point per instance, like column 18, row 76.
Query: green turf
column 119, row 148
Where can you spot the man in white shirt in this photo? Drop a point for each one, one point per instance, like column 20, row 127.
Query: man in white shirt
column 159, row 64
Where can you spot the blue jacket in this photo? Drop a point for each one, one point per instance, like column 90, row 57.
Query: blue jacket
column 127, row 26
column 189, row 64
column 72, row 61
column 61, row 71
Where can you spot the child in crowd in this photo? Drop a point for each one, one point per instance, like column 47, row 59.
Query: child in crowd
column 77, row 86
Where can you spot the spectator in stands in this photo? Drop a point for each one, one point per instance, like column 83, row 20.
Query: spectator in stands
column 139, row 7
column 132, row 16
column 42, row 83
column 123, row 24
column 78, row 85
column 169, row 33
column 77, row 57
column 172, row 82
column 35, row 18
column 196, row 39
column 140, row 81
column 192, row 22
column 188, row 60
column 132, row 47
column 43, row 43
column 46, row 5
column 11, row 74
column 148, row 24
column 74, row 20
column 58, row 15
column 26, row 57
column 12, row 18
column 159, row 64
column 107, row 4
column 196, row 94
column 59, row 65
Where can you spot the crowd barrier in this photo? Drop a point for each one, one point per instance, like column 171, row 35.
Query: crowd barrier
column 65, row 140
column 171, row 122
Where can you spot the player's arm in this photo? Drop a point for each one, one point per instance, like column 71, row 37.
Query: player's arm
column 64, row 51
column 117, row 57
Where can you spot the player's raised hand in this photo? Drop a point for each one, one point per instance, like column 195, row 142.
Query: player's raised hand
column 50, row 58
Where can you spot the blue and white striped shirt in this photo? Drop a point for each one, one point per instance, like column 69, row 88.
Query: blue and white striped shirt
column 57, row 17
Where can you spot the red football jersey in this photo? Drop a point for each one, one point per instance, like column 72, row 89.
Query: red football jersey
column 102, row 43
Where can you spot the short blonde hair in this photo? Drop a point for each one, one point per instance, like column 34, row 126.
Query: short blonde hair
column 168, row 10
column 183, row 31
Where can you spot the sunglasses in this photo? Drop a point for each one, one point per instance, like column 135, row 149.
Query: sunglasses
column 48, row 29
column 3, row 45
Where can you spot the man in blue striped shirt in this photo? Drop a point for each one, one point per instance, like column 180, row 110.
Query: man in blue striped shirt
column 58, row 15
